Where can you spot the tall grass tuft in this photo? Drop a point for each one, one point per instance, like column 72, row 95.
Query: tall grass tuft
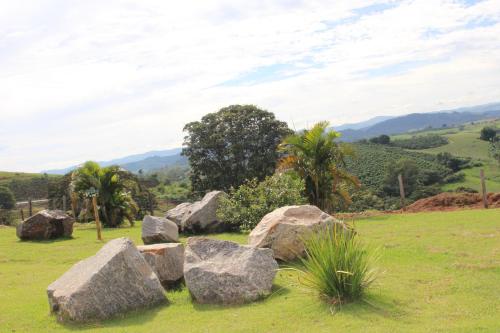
column 337, row 265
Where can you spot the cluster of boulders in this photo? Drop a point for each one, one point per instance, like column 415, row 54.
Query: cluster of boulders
column 122, row 277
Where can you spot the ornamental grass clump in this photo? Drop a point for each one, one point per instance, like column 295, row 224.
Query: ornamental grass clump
column 337, row 265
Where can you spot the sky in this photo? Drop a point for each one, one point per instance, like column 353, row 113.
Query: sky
column 96, row 80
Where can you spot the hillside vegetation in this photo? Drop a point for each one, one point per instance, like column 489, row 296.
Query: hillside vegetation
column 27, row 185
column 464, row 141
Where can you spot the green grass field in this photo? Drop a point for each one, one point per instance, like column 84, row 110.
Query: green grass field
column 440, row 272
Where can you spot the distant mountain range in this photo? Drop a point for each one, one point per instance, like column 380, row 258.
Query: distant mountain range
column 157, row 159
column 148, row 161
column 363, row 124
column 419, row 121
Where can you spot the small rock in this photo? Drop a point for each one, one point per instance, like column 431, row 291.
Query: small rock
column 159, row 230
column 224, row 272
column 166, row 260
column 115, row 280
column 283, row 229
column 47, row 224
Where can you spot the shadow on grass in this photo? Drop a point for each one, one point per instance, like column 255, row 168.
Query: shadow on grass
column 371, row 304
column 131, row 318
column 276, row 291
column 46, row 241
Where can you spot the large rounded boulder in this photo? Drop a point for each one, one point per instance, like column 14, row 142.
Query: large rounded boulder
column 201, row 216
column 284, row 229
column 115, row 280
column 223, row 272
column 47, row 224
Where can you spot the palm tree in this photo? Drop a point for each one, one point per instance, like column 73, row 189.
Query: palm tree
column 320, row 160
column 113, row 186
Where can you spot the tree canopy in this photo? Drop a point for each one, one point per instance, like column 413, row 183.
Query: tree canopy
column 231, row 146
column 7, row 199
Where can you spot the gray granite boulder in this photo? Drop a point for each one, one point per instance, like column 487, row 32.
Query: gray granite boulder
column 223, row 272
column 47, row 224
column 166, row 260
column 202, row 215
column 159, row 230
column 177, row 214
column 115, row 280
column 284, row 229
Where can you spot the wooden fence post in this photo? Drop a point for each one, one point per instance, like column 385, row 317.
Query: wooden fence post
column 96, row 216
column 401, row 191
column 22, row 215
column 30, row 207
column 483, row 188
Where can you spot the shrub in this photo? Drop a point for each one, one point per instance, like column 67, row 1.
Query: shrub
column 366, row 200
column 455, row 178
column 244, row 207
column 337, row 266
column 7, row 199
column 452, row 162
column 7, row 217
column 488, row 133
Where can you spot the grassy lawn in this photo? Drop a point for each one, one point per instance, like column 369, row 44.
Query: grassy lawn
column 440, row 273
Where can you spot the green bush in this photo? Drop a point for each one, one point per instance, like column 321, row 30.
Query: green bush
column 337, row 266
column 366, row 200
column 244, row 207
column 7, row 199
column 488, row 133
column 7, row 217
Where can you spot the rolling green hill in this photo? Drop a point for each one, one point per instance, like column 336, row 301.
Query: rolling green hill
column 464, row 141
column 26, row 185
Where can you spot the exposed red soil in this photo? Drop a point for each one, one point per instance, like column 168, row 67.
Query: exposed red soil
column 454, row 201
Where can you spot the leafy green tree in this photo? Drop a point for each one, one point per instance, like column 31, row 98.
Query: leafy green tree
column 7, row 199
column 411, row 177
column 488, row 133
column 114, row 185
column 319, row 159
column 233, row 145
column 245, row 206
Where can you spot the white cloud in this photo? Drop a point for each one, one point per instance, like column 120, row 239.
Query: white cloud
column 98, row 80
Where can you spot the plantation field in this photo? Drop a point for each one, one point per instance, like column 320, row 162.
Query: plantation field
column 439, row 273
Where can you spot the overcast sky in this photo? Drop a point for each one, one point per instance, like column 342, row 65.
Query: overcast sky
column 98, row 80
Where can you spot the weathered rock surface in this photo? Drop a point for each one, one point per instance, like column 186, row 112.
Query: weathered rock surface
column 115, row 280
column 166, row 260
column 47, row 224
column 177, row 214
column 283, row 229
column 202, row 215
column 159, row 230
column 224, row 272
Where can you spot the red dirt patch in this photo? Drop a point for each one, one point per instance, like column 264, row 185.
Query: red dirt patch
column 453, row 201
